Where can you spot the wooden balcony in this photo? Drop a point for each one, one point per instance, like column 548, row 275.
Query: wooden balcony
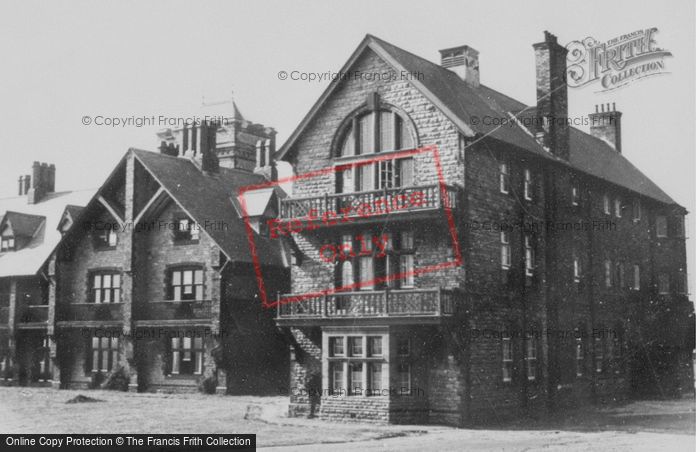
column 89, row 314
column 368, row 206
column 163, row 313
column 33, row 316
column 397, row 306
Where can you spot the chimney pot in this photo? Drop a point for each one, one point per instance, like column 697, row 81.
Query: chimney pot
column 606, row 125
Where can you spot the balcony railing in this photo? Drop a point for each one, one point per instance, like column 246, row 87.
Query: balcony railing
column 370, row 203
column 33, row 314
column 174, row 310
column 385, row 303
column 89, row 312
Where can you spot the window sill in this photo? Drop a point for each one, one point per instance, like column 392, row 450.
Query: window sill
column 185, row 242
column 96, row 304
column 105, row 248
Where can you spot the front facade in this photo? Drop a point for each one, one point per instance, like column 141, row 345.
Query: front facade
column 528, row 274
column 155, row 289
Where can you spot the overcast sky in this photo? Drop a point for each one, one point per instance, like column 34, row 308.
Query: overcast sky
column 64, row 60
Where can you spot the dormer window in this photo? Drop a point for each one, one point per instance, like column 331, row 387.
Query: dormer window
column 186, row 231
column 7, row 244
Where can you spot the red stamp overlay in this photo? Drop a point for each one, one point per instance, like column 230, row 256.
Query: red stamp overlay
column 308, row 215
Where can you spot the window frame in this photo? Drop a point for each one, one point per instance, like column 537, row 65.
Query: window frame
column 190, row 234
column 617, row 205
column 506, row 251
column 661, row 220
column 606, row 204
column 507, row 362
column 178, row 351
column 636, row 209
column 104, row 353
column 504, row 177
column 181, row 269
column 528, row 185
column 114, row 290
column 531, row 359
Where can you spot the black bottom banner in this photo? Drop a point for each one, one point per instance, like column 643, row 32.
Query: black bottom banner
column 127, row 443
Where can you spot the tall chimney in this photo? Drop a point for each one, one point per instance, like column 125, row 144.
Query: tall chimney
column 51, row 179
column 606, row 125
column 552, row 95
column 35, row 193
column 264, row 158
column 207, row 147
column 463, row 61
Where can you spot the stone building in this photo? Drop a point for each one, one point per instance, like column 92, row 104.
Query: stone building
column 29, row 231
column 155, row 287
column 537, row 268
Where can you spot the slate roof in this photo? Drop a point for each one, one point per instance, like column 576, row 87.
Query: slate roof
column 208, row 198
column 43, row 217
column 460, row 102
column 22, row 223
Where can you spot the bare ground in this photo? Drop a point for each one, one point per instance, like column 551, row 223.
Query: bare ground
column 642, row 425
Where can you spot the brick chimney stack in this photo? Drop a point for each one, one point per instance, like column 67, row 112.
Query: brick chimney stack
column 552, row 96
column 606, row 125
column 463, row 61
column 43, row 181
column 265, row 158
column 207, row 146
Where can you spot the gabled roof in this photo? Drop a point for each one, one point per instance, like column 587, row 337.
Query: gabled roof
column 42, row 217
column 460, row 102
column 22, row 224
column 208, row 199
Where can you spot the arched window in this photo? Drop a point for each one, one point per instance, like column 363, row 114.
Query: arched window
column 368, row 132
column 375, row 131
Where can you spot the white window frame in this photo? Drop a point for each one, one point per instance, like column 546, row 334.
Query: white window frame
column 506, row 253
column 507, row 359
column 529, row 256
column 607, row 266
column 618, row 207
column 527, row 184
column 577, row 269
column 503, row 177
column 636, row 272
column 580, row 356
column 531, row 357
